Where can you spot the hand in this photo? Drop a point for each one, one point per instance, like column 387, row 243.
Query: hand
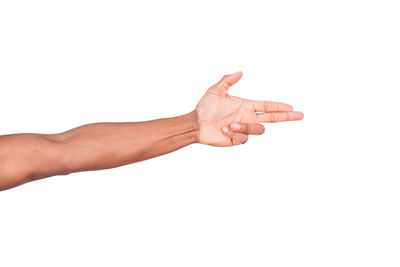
column 226, row 120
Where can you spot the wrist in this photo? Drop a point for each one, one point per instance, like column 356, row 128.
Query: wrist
column 192, row 121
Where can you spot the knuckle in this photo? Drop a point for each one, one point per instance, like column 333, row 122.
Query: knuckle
column 272, row 117
column 245, row 127
column 235, row 142
column 226, row 84
column 265, row 106
column 258, row 117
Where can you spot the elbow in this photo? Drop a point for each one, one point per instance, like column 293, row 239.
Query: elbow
column 42, row 157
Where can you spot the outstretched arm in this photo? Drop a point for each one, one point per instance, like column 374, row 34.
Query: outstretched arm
column 28, row 157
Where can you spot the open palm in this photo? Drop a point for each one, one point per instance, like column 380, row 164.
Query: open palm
column 217, row 109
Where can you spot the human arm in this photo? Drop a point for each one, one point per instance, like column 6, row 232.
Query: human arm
column 28, row 157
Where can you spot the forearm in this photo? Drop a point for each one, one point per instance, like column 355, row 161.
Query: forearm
column 107, row 145
column 26, row 157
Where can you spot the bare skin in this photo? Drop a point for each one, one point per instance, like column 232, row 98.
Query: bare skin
column 217, row 109
column 218, row 120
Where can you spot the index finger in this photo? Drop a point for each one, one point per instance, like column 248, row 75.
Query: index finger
column 269, row 106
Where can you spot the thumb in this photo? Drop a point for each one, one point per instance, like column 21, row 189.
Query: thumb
column 225, row 83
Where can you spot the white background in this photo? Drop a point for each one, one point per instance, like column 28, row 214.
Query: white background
column 321, row 192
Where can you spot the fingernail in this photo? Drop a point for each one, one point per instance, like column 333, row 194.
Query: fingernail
column 235, row 126
column 225, row 129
